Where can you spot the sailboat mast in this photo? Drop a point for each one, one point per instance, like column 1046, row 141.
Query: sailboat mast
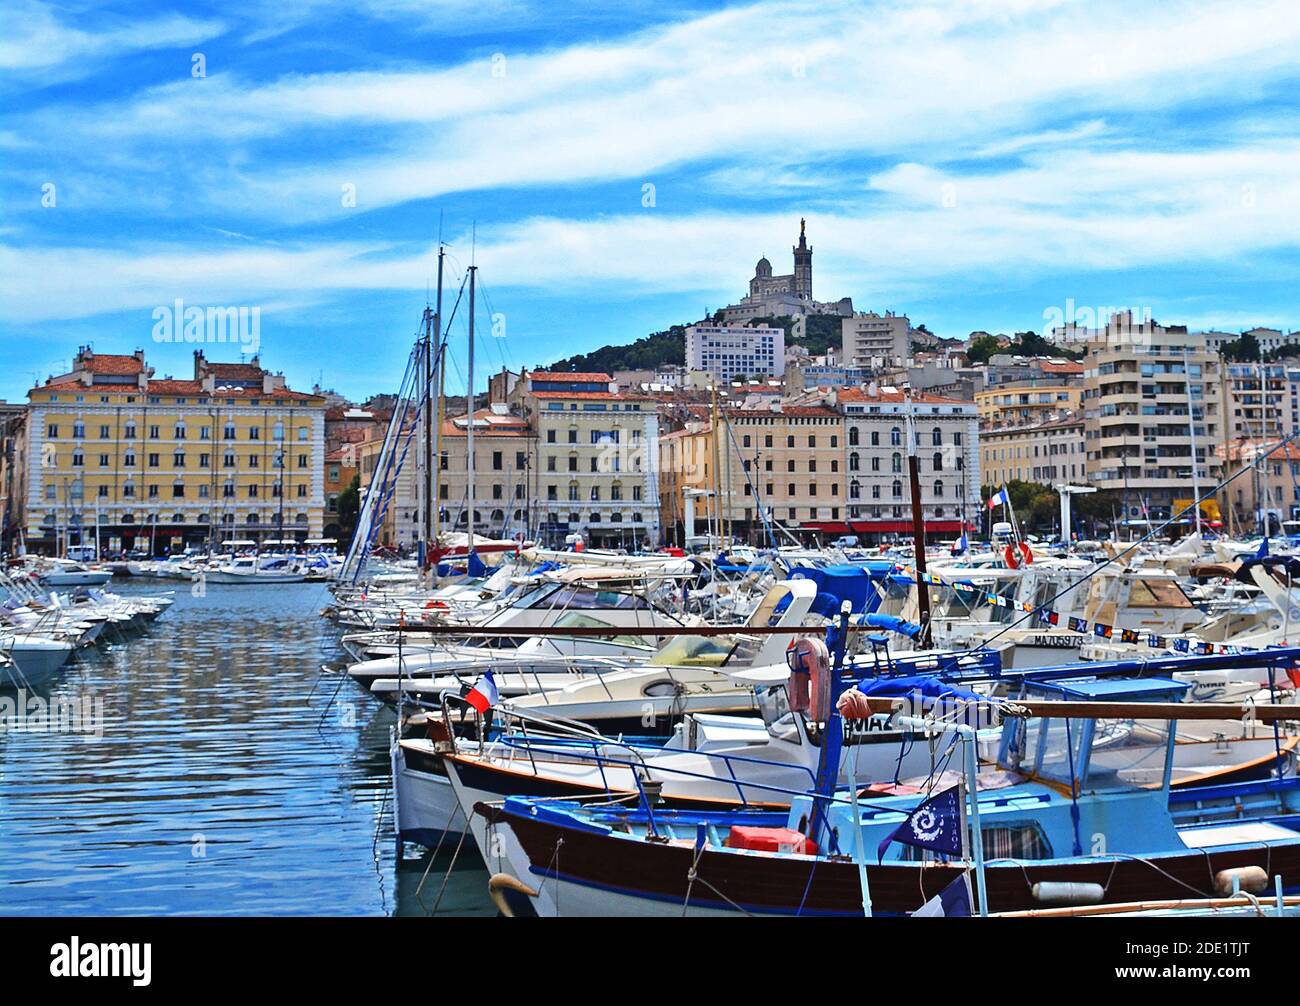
column 469, row 418
column 435, row 454
column 918, row 530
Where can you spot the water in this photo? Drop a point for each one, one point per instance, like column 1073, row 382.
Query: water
column 230, row 779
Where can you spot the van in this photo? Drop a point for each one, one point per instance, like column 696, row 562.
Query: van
column 846, row 541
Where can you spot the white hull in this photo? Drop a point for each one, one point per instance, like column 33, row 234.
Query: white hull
column 218, row 576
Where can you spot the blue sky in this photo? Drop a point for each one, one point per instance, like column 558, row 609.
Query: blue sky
column 976, row 165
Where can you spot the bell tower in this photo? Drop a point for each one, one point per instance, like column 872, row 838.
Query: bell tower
column 803, row 265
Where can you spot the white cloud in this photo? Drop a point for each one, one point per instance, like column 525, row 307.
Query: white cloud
column 37, row 43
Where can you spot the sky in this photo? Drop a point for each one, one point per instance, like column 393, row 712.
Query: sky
column 616, row 168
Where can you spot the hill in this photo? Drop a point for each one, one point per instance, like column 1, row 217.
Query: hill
column 667, row 348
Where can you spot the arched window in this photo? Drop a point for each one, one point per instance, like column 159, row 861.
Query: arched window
column 575, row 518
column 855, row 489
column 853, row 436
column 595, row 518
column 938, row 461
column 938, row 489
column 854, row 462
column 498, row 515
column 895, row 437
column 251, row 519
column 936, row 437
column 896, row 462
column 898, row 490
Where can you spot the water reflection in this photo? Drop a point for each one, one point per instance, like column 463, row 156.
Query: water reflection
column 230, row 778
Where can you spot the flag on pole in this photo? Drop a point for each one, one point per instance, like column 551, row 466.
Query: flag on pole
column 952, row 902
column 935, row 824
column 484, row 695
column 961, row 545
column 1001, row 496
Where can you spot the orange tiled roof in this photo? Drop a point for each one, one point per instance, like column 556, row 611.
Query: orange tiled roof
column 544, row 375
column 108, row 363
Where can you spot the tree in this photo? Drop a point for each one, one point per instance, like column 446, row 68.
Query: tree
column 981, row 348
column 1243, row 350
column 349, row 504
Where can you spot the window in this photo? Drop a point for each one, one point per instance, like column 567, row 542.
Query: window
column 898, row 489
column 153, row 433
column 875, row 438
column 855, row 462
column 178, row 459
column 938, row 461
column 938, row 489
column 936, row 437
column 255, row 433
column 104, row 433
column 153, row 461
column 496, row 461
column 896, row 462
column 895, row 437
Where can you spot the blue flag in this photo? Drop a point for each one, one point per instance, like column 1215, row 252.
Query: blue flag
column 935, row 825
column 952, row 902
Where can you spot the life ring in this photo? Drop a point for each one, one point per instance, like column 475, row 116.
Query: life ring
column 1028, row 553
column 1010, row 558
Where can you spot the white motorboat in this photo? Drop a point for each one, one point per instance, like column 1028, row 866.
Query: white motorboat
column 249, row 569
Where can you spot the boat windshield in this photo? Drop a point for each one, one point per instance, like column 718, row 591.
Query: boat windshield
column 707, row 651
column 774, row 707
column 576, row 619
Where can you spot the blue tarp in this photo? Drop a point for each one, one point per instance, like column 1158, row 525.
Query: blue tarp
column 848, row 582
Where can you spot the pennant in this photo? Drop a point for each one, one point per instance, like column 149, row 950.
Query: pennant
column 1078, row 625
column 934, row 825
column 1103, row 631
column 954, row 901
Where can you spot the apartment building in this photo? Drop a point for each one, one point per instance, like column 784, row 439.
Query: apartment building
column 597, row 458
column 13, row 474
column 729, row 351
column 875, row 340
column 1270, row 493
column 232, row 453
column 1048, row 452
column 781, row 463
column 946, row 430
column 505, row 476
column 1259, row 400
column 1150, row 391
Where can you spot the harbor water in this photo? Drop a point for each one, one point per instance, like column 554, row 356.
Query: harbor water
column 208, row 767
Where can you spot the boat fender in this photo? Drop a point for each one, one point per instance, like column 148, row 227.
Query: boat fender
column 499, row 884
column 1010, row 558
column 808, row 689
column 1060, row 892
column 1251, row 879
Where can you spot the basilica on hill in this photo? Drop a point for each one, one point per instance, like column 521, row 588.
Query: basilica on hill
column 790, row 295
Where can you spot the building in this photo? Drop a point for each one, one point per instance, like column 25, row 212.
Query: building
column 1049, row 451
column 876, row 341
column 13, row 474
column 231, row 454
column 1259, row 400
column 876, row 421
column 596, row 471
column 1149, row 391
column 730, row 351
column 1027, row 402
column 1271, row 491
column 505, row 477
column 782, row 296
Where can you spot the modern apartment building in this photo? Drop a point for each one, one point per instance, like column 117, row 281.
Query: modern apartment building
column 1027, row 402
column 1150, row 392
column 728, row 351
column 878, row 341
column 160, row 463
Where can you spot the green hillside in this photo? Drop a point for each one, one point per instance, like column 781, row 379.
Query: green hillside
column 820, row 332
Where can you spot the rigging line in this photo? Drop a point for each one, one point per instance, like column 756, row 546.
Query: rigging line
column 1133, row 545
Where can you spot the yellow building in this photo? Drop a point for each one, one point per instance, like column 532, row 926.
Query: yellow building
column 1021, row 403
column 157, row 464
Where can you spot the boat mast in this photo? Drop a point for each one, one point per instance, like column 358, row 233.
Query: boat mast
column 435, row 453
column 469, row 416
column 918, row 529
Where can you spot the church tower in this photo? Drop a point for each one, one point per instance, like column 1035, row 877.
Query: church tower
column 803, row 266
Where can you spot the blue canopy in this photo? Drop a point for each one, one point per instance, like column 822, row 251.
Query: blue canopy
column 848, row 582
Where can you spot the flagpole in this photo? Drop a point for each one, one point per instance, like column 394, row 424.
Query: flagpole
column 857, row 825
column 969, row 736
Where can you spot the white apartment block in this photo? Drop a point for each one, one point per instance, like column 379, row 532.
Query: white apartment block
column 727, row 351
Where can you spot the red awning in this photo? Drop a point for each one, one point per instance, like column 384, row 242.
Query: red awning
column 882, row 527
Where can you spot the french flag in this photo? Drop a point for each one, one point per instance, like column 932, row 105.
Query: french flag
column 1000, row 496
column 484, row 695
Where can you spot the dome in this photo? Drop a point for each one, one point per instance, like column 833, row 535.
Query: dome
column 764, row 268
